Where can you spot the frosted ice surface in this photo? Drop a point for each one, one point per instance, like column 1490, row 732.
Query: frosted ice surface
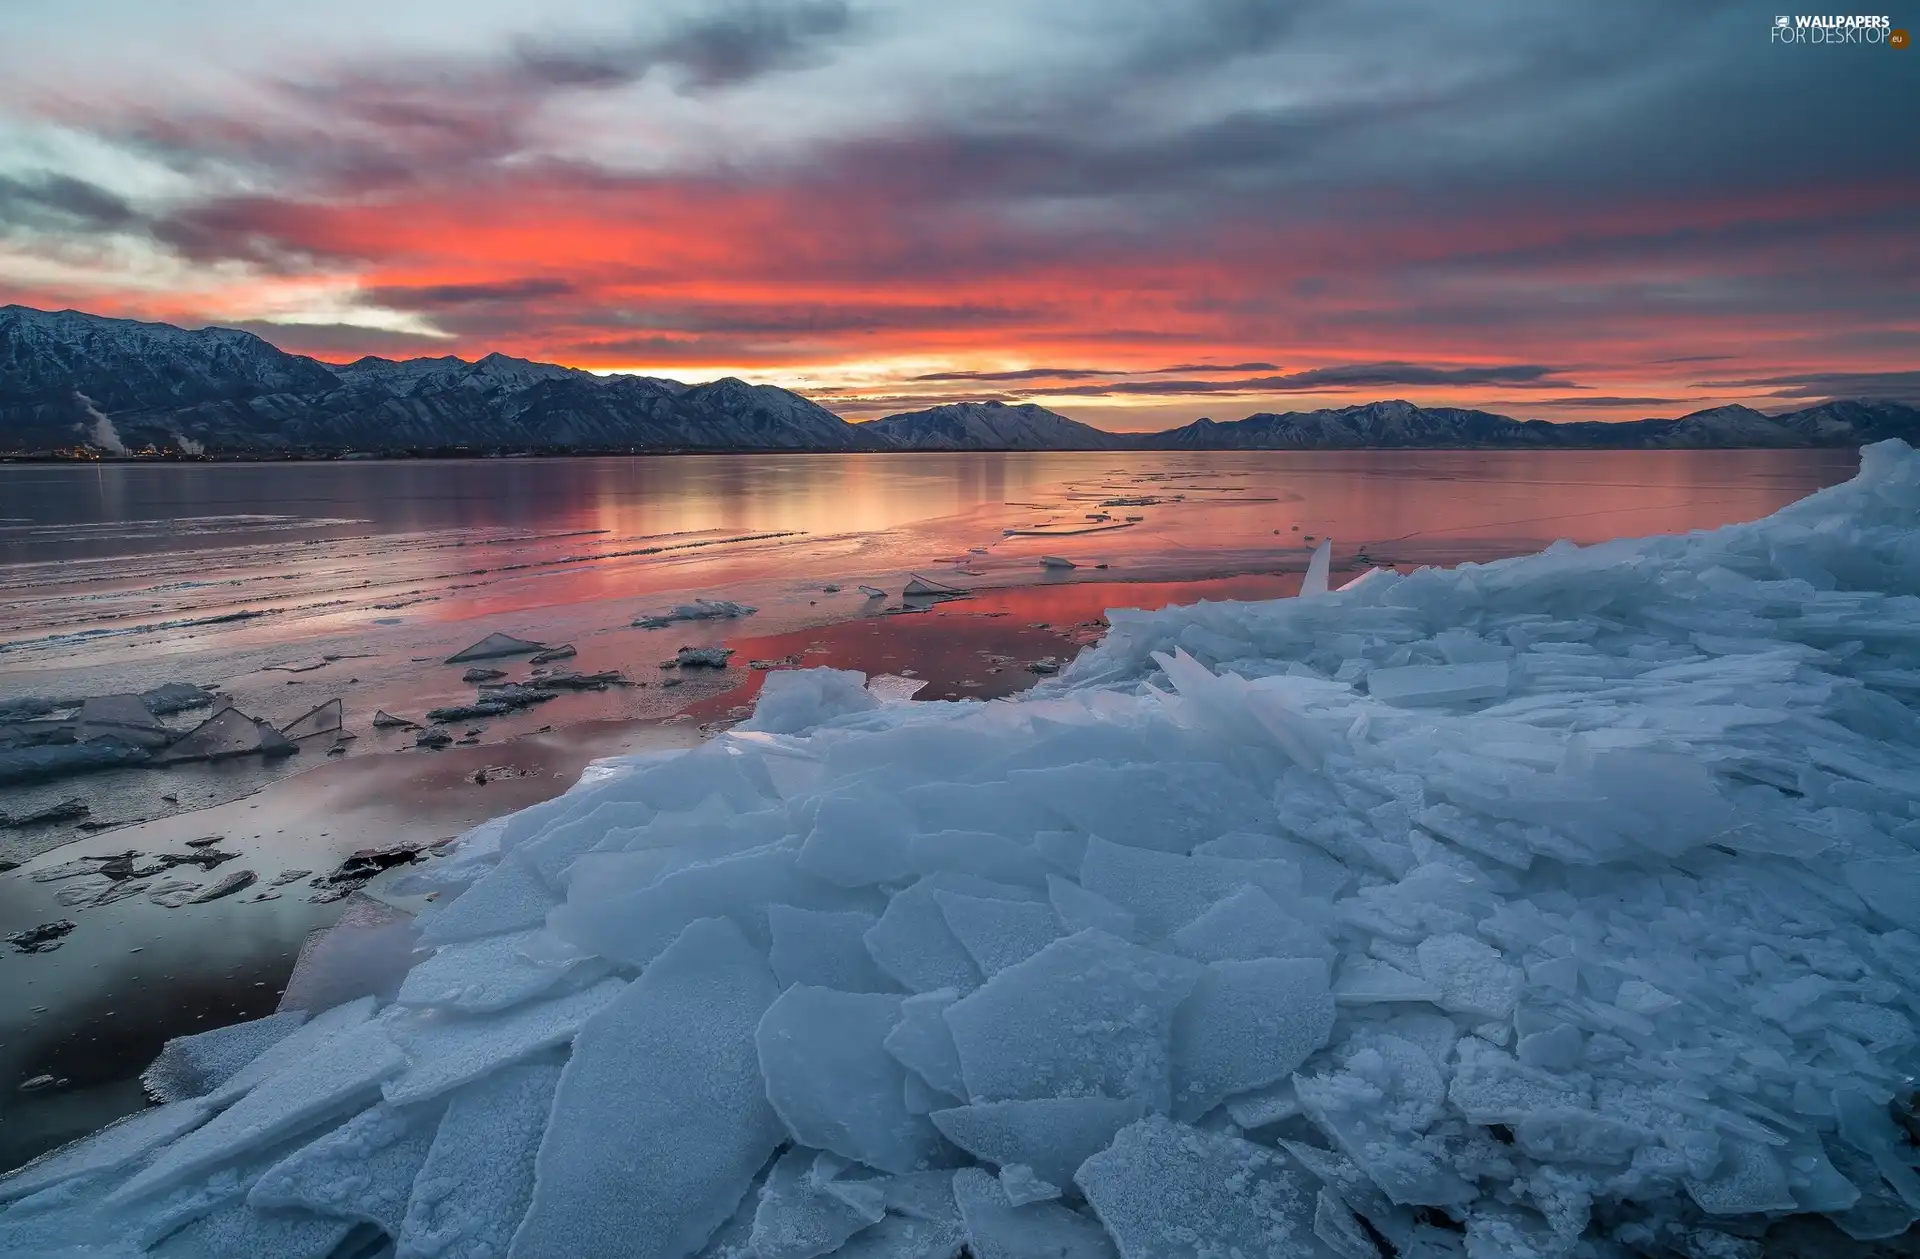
column 238, row 1229
column 482, row 976
column 509, row 897
column 362, row 1170
column 1890, row 885
column 473, row 1189
column 1245, row 1025
column 906, row 1237
column 832, row 1081
column 796, row 1218
column 996, row 1229
column 112, row 1147
column 1264, row 1106
column 1386, row 1092
column 1472, row 977
column 445, row 1051
column 293, row 1048
column 1364, row 981
column 913, row 943
column 337, row 1077
column 1578, row 1136
column 193, row 1066
column 1087, row 1016
column 997, row 933
column 1165, row 891
column 859, row 840
column 793, row 701
column 979, row 853
column 660, row 1122
column 1748, row 1179
column 1414, row 685
column 1166, row 807
column 923, row 1042
column 1021, row 1186
column 1248, row 924
column 1159, row 1180
column 1079, row 909
column 634, row 927
column 1050, row 1136
column 825, row 950
column 1490, row 1086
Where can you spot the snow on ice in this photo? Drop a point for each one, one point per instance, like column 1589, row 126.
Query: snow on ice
column 1561, row 906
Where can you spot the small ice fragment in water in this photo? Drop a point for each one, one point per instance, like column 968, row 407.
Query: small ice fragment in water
column 384, row 720
column 1316, row 580
column 478, row 674
column 494, row 646
column 1055, row 561
column 698, row 610
column 927, row 588
column 227, row 733
column 702, row 657
column 322, row 719
column 872, row 592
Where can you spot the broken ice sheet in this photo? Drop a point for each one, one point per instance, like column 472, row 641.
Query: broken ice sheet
column 473, row 1188
column 1050, row 1136
column 444, row 1050
column 997, row 1229
column 481, row 976
column 797, row 1218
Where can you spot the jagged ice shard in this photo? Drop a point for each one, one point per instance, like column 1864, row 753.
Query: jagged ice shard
column 1568, row 900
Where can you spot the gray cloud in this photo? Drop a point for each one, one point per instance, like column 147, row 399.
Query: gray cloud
column 47, row 199
column 1325, row 379
column 729, row 45
column 1027, row 373
column 1896, row 386
column 439, row 295
column 1215, row 367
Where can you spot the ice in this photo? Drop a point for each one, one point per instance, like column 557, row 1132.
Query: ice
column 997, row 933
column 494, row 973
column 794, row 701
column 923, row 1042
column 342, row 1074
column 1051, row 1137
column 1249, row 924
column 111, row 1148
column 825, row 950
column 321, row 719
column 1414, row 685
column 927, row 588
column 495, row 646
column 797, row 1218
column 227, row 733
column 362, row 1170
column 661, row 1121
column 1245, row 1025
column 193, row 1066
column 445, row 1051
column 175, row 697
column 698, row 610
column 237, row 1228
column 997, row 1229
column 1088, row 1015
column 1319, row 568
column 123, row 717
column 832, row 1081
column 1163, row 1189
column 473, row 1189
column 1472, row 977
column 1622, row 947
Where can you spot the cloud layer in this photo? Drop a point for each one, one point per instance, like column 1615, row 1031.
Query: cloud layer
column 879, row 202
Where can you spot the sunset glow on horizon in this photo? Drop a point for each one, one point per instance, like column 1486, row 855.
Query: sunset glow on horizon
column 1131, row 213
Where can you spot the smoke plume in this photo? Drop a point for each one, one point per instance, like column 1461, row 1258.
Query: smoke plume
column 104, row 434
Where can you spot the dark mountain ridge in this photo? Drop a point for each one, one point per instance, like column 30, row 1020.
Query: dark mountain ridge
column 69, row 379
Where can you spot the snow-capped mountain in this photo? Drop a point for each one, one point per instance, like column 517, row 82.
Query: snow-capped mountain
column 68, row 378
column 227, row 390
column 992, row 426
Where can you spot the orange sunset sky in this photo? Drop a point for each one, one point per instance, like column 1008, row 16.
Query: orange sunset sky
column 1134, row 213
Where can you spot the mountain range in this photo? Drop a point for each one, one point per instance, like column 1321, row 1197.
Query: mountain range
column 69, row 379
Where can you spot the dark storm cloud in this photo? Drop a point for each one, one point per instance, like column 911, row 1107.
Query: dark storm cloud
column 1597, row 402
column 47, row 199
column 1346, row 376
column 1026, row 373
column 1898, row 386
column 439, row 295
column 728, row 46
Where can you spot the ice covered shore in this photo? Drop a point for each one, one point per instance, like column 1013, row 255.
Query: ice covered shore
column 1560, row 906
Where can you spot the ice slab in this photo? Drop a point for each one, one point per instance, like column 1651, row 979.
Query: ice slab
column 923, row 1042
column 444, row 1051
column 237, row 1228
column 1473, row 978
column 1245, row 1025
column 123, row 717
column 1414, row 685
column 1247, row 924
column 1166, row 891
column 109, row 1149
column 362, row 1170
column 997, row 1229
column 1087, row 1016
column 1159, row 1179
column 193, row 1066
column 1319, row 570
column 798, row 1218
column 337, row 1077
column 698, row 610
column 495, row 646
column 324, row 718
column 494, row 973
column 997, row 933
column 824, row 950
column 793, row 701
column 473, row 1189
column 1051, row 1136
column 661, row 1120
column 833, row 1083
column 227, row 733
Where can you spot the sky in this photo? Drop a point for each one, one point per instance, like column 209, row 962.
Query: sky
column 1130, row 211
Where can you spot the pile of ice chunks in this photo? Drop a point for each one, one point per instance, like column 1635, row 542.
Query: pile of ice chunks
column 1563, row 906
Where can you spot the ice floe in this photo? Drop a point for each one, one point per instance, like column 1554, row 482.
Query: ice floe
column 1562, row 906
